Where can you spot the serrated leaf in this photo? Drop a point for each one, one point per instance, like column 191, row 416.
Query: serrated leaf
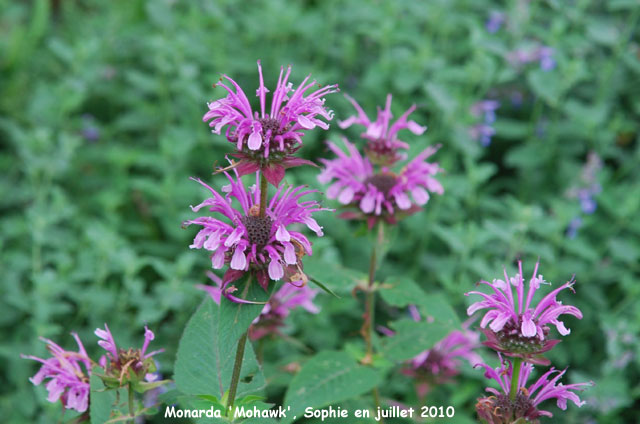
column 412, row 338
column 328, row 378
column 207, row 349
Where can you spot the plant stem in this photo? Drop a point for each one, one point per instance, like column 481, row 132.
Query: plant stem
column 264, row 188
column 131, row 407
column 515, row 375
column 237, row 366
column 370, row 302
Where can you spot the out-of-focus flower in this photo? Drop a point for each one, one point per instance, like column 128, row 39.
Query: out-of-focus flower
column 383, row 144
column 499, row 408
column 267, row 141
column 90, row 131
column 588, row 186
column 495, row 21
column 68, row 373
column 442, row 362
column 483, row 131
column 249, row 242
column 131, row 365
column 383, row 194
column 574, row 226
column 276, row 310
column 517, row 327
column 544, row 55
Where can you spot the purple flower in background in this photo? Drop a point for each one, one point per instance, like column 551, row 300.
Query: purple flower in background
column 588, row 186
column 442, row 362
column 383, row 194
column 121, row 362
column 482, row 132
column 90, row 131
column 517, row 326
column 544, row 55
column 68, row 373
column 574, row 226
column 276, row 310
column 495, row 21
column 267, row 141
column 383, row 143
column 500, row 409
column 248, row 242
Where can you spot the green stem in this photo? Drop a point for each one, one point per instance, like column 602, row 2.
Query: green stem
column 237, row 366
column 131, row 406
column 264, row 188
column 515, row 375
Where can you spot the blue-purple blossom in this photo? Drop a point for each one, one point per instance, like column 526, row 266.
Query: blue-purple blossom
column 495, row 21
column 483, row 131
column 542, row 54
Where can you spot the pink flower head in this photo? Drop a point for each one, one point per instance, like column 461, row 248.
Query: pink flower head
column 383, row 139
column 517, row 326
column 383, row 194
column 500, row 409
column 130, row 363
column 68, row 374
column 267, row 141
column 248, row 242
column 276, row 310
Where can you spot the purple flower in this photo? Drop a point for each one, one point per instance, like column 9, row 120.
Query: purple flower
column 383, row 194
column 540, row 53
column 482, row 132
column 588, row 186
column 248, row 242
column 68, row 374
column 495, row 21
column 574, row 226
column 134, row 364
column 517, row 327
column 267, row 141
column 499, row 408
column 276, row 310
column 383, row 144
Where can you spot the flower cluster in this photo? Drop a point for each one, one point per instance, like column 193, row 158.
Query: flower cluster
column 483, row 131
column 267, row 141
column 502, row 408
column 68, row 372
column 519, row 328
column 539, row 53
column 248, row 242
column 134, row 366
column 383, row 146
column 368, row 183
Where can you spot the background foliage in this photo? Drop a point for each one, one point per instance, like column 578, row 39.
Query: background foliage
column 100, row 128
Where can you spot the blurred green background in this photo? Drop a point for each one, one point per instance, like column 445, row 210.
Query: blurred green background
column 100, row 128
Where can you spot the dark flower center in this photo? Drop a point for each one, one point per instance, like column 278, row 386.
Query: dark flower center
column 131, row 356
column 258, row 229
column 270, row 124
column 383, row 182
column 511, row 339
column 517, row 408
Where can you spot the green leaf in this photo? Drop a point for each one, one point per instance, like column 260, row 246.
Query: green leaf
column 207, row 349
column 102, row 401
column 401, row 292
column 333, row 277
column 412, row 338
column 328, row 378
